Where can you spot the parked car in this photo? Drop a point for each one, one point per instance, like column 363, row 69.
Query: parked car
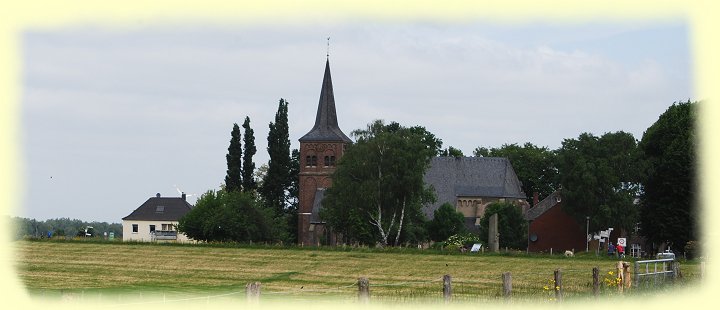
column 667, row 254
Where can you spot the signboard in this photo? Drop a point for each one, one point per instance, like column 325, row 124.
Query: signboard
column 476, row 247
column 622, row 242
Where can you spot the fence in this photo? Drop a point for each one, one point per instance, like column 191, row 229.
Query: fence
column 613, row 281
column 668, row 269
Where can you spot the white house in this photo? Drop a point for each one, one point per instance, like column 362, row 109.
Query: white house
column 156, row 220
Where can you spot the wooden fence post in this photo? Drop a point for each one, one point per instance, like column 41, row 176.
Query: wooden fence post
column 596, row 281
column 447, row 288
column 507, row 284
column 676, row 270
column 252, row 292
column 558, row 285
column 363, row 290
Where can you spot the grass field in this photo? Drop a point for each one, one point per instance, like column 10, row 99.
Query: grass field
column 117, row 272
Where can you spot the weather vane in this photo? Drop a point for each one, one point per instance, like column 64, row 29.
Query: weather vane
column 328, row 47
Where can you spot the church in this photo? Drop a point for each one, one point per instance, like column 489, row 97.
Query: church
column 468, row 183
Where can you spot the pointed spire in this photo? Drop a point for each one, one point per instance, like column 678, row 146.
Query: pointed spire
column 326, row 125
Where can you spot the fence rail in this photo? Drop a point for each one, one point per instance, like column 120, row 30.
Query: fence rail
column 661, row 271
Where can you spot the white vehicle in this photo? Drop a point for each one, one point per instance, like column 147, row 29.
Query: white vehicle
column 667, row 254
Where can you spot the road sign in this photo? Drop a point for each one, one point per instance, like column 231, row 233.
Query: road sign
column 622, row 241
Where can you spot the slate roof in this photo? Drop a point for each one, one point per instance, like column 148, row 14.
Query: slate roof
column 160, row 209
column 326, row 125
column 317, row 205
column 454, row 177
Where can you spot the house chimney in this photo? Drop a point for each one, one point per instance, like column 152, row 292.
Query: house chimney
column 157, row 195
column 535, row 199
column 183, row 196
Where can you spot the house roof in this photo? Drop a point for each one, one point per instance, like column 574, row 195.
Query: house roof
column 160, row 209
column 544, row 205
column 326, row 125
column 454, row 177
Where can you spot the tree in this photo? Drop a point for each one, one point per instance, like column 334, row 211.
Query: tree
column 277, row 180
column 248, row 181
column 293, row 195
column 378, row 185
column 233, row 178
column 512, row 226
column 599, row 178
column 446, row 222
column 669, row 209
column 229, row 216
column 534, row 166
column 451, row 151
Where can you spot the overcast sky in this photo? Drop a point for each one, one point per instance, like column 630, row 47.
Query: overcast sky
column 110, row 117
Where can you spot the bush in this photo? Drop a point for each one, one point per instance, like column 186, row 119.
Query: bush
column 692, row 249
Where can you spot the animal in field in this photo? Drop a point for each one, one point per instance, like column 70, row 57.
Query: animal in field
column 570, row 253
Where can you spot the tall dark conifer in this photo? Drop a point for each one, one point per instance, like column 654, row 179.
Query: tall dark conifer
column 248, row 168
column 233, row 178
column 277, row 180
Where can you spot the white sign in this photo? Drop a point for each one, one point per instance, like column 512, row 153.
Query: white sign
column 476, row 247
column 622, row 241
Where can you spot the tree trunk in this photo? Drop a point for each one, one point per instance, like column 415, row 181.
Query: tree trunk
column 400, row 225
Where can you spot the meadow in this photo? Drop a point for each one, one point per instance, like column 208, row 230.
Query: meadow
column 118, row 272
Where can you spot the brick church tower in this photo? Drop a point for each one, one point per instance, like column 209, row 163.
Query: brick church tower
column 320, row 149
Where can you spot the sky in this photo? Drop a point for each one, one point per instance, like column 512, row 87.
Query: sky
column 111, row 116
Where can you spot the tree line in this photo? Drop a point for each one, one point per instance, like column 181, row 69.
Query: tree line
column 645, row 185
column 61, row 228
column 378, row 190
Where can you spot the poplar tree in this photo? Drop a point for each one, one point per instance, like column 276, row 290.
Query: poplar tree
column 248, row 168
column 277, row 180
column 233, row 178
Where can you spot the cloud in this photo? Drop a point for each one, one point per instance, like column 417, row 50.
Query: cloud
column 139, row 111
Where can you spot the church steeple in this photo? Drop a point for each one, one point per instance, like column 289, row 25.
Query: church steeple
column 326, row 125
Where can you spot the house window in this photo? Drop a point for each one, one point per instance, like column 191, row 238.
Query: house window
column 135, row 228
column 152, row 228
column 159, row 209
column 327, row 161
column 332, row 161
column 307, row 161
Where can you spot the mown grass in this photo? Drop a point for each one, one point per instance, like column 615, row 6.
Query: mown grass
column 116, row 271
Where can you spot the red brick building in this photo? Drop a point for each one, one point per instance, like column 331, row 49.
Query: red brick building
column 550, row 227
column 320, row 150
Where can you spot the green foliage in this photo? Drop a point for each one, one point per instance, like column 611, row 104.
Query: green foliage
column 599, row 177
column 233, row 178
column 60, row 228
column 669, row 203
column 451, row 151
column 248, row 181
column 692, row 249
column 291, row 212
column 446, row 222
column 534, row 166
column 378, row 186
column 230, row 216
column 278, row 180
column 462, row 239
column 512, row 226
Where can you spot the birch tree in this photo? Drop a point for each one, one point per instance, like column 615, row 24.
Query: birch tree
column 379, row 182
